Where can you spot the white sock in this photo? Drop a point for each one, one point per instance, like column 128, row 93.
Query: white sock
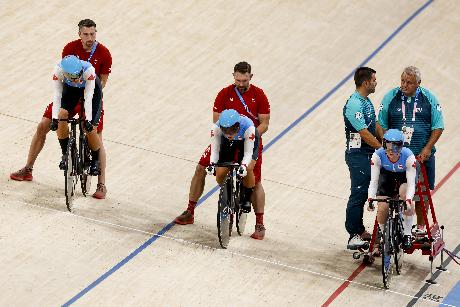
column 408, row 219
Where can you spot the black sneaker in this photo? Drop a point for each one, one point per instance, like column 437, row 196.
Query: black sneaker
column 407, row 242
column 246, row 206
column 94, row 170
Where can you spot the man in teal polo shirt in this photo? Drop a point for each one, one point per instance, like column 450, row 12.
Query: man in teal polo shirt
column 360, row 120
column 415, row 111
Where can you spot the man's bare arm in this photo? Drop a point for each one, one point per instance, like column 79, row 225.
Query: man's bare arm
column 104, row 79
column 264, row 120
column 370, row 139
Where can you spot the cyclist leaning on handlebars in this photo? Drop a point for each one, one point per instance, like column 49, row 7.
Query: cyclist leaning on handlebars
column 393, row 166
column 76, row 80
column 235, row 139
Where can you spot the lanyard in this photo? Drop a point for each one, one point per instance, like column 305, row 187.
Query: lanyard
column 92, row 50
column 403, row 106
column 244, row 103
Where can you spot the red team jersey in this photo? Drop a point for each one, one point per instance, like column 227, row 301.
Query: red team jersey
column 254, row 98
column 256, row 102
column 101, row 61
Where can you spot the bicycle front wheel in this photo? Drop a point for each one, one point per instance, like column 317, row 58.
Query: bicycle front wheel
column 224, row 215
column 386, row 249
column 70, row 175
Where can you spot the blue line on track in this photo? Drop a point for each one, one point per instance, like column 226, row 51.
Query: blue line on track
column 453, row 297
column 266, row 147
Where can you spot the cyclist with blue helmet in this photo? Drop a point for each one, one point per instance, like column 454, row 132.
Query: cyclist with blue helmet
column 393, row 166
column 74, row 81
column 234, row 135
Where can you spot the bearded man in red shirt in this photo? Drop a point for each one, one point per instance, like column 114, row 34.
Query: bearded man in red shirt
column 248, row 100
column 88, row 49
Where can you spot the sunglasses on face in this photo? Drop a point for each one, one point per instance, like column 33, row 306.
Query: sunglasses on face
column 73, row 77
column 395, row 147
column 229, row 130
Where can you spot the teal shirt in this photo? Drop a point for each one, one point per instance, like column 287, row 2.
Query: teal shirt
column 422, row 118
column 359, row 114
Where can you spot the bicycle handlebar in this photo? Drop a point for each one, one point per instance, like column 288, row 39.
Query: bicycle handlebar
column 227, row 164
column 386, row 200
column 71, row 120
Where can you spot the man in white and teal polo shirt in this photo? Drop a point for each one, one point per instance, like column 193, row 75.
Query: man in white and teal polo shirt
column 415, row 111
column 360, row 120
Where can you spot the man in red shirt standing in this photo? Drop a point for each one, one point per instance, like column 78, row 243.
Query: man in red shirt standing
column 248, row 100
column 88, row 49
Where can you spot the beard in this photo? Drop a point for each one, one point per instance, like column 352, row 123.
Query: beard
column 242, row 89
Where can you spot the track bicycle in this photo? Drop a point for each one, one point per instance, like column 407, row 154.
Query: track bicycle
column 229, row 203
column 391, row 239
column 77, row 161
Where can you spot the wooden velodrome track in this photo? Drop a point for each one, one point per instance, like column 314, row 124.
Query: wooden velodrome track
column 169, row 61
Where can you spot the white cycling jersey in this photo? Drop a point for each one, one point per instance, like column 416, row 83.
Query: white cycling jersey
column 88, row 82
column 406, row 163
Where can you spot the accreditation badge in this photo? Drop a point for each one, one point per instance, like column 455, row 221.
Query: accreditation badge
column 408, row 132
column 355, row 140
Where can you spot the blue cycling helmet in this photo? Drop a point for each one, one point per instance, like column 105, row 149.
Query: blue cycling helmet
column 228, row 118
column 396, row 138
column 72, row 67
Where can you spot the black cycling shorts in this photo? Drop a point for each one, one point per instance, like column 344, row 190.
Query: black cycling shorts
column 233, row 151
column 389, row 183
column 72, row 95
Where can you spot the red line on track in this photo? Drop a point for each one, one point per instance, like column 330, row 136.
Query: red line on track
column 446, row 177
column 362, row 266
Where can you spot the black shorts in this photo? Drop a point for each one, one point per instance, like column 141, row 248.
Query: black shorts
column 72, row 95
column 389, row 183
column 233, row 151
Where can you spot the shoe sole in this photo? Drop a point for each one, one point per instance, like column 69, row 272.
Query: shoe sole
column 20, row 178
column 257, row 237
column 99, row 197
column 183, row 223
column 364, row 246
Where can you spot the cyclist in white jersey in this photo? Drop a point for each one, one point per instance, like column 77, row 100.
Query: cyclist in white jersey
column 234, row 137
column 393, row 166
column 74, row 81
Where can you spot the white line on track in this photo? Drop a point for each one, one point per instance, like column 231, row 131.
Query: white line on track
column 226, row 251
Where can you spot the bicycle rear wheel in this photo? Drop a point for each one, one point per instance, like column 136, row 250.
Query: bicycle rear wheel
column 224, row 214
column 397, row 244
column 241, row 216
column 85, row 177
column 387, row 254
column 70, row 174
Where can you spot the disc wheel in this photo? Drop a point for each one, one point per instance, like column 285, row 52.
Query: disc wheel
column 241, row 218
column 398, row 249
column 85, row 178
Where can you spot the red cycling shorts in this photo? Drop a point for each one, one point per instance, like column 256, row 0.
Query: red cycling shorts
column 49, row 111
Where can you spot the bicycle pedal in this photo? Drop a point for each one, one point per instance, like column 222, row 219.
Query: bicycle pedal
column 62, row 165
